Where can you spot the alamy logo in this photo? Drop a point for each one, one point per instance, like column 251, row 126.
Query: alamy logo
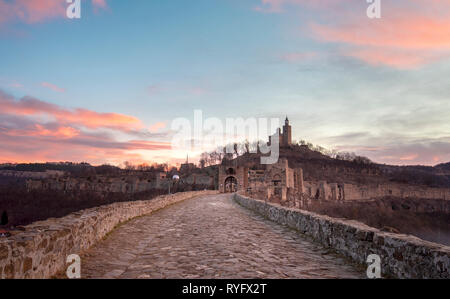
column 74, row 9
column 74, row 269
column 374, row 268
column 374, row 9
column 212, row 133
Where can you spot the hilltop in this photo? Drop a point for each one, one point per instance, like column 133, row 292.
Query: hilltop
column 358, row 170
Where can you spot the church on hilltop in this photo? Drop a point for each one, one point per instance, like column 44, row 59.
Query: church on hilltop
column 285, row 137
column 274, row 181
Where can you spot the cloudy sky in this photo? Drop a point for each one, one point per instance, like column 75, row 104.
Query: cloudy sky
column 106, row 87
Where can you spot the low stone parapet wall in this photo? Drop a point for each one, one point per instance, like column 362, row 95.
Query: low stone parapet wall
column 40, row 251
column 402, row 256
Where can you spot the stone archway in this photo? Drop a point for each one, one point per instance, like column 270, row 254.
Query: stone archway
column 230, row 184
column 232, row 179
column 230, row 171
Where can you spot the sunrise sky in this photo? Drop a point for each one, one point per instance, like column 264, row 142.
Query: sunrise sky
column 105, row 88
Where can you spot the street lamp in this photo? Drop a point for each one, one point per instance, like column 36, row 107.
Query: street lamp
column 175, row 178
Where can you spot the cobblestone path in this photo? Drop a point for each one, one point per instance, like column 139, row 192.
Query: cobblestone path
column 210, row 237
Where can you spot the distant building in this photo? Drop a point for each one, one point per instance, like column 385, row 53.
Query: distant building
column 285, row 137
column 276, row 181
column 187, row 167
column 161, row 175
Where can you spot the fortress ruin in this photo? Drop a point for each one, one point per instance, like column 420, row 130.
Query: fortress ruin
column 282, row 183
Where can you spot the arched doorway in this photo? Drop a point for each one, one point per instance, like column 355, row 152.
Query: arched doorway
column 231, row 184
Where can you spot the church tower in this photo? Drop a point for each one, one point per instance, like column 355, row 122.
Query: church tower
column 287, row 133
column 285, row 136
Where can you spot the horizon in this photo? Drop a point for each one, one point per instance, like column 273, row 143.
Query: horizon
column 105, row 88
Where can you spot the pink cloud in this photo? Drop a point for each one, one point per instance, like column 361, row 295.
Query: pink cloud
column 35, row 11
column 52, row 87
column 62, row 132
column 99, row 3
column 69, row 135
column 328, row 5
column 158, row 126
column 31, row 11
column 407, row 32
column 406, row 42
column 29, row 106
column 278, row 6
column 392, row 58
column 410, row 157
column 52, row 146
column 410, row 34
column 405, row 152
column 42, row 130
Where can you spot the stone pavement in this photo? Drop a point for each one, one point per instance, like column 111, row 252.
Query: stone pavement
column 210, row 237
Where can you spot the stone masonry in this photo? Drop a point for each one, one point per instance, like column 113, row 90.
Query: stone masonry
column 402, row 256
column 211, row 237
column 40, row 251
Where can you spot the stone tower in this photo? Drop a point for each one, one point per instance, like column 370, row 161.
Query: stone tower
column 285, row 137
column 287, row 133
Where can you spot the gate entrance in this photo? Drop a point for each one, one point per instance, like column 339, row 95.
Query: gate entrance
column 231, row 184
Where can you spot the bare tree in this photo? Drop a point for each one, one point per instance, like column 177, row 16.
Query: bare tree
column 247, row 146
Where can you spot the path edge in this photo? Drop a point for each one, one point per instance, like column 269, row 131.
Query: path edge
column 402, row 256
column 41, row 250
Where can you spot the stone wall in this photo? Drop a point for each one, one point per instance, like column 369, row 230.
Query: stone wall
column 239, row 173
column 99, row 184
column 343, row 191
column 198, row 179
column 277, row 181
column 40, row 251
column 402, row 256
column 354, row 192
column 31, row 174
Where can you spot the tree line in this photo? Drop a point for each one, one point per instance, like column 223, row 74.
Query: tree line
column 237, row 149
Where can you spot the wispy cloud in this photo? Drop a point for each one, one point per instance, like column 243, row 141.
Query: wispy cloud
column 33, row 130
column 410, row 34
column 198, row 91
column 405, row 41
column 29, row 106
column 158, row 126
column 36, row 11
column 279, row 6
column 82, row 147
column 31, row 11
column 99, row 3
column 53, row 87
column 16, row 85
column 395, row 148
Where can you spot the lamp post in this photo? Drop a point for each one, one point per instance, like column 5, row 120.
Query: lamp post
column 175, row 178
